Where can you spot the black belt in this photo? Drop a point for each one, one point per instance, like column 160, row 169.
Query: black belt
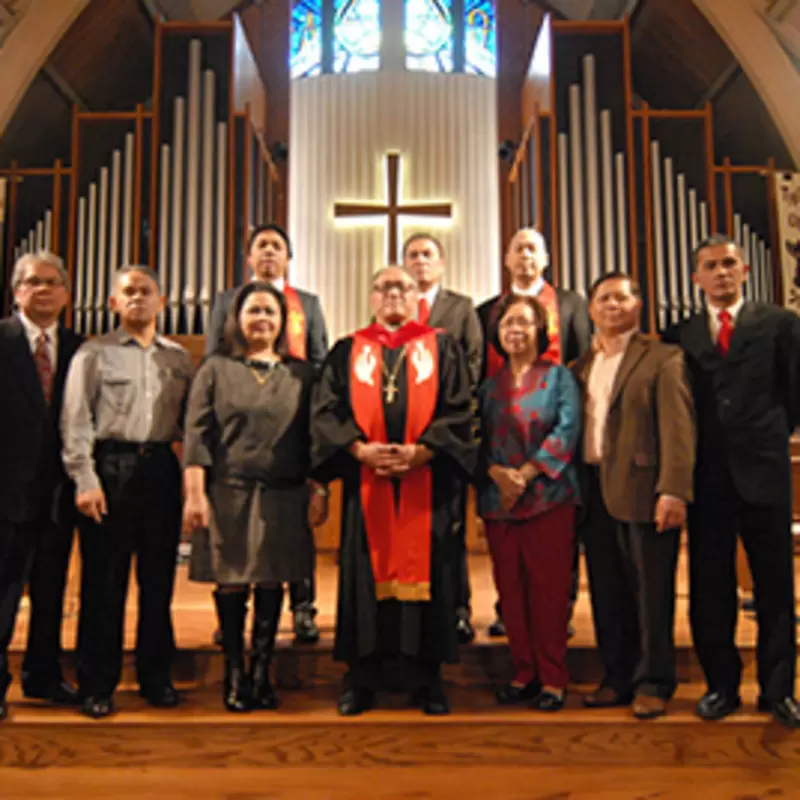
column 142, row 449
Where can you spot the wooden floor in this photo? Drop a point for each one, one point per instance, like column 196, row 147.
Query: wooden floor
column 306, row 751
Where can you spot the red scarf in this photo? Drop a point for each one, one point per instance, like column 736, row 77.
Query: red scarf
column 295, row 323
column 549, row 299
column 398, row 533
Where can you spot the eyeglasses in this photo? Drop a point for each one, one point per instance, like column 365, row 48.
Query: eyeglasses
column 33, row 282
column 518, row 322
column 385, row 288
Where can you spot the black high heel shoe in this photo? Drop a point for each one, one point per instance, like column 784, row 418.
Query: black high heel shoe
column 548, row 701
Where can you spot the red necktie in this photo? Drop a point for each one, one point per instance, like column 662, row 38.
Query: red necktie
column 423, row 312
column 725, row 333
column 44, row 366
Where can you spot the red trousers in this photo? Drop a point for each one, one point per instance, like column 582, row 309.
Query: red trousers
column 533, row 562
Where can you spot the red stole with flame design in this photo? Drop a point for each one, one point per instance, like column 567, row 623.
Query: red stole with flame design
column 549, row 299
column 398, row 530
column 295, row 323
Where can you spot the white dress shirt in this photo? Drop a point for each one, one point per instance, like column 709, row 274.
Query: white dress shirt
column 34, row 332
column 279, row 284
column 713, row 317
column 532, row 291
column 602, row 375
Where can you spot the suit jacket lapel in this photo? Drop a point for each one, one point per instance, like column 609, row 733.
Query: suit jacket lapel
column 697, row 339
column 67, row 345
column 633, row 355
column 21, row 351
column 741, row 328
column 583, row 367
column 439, row 308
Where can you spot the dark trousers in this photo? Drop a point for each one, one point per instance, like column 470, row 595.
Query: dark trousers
column 632, row 583
column 17, row 543
column 46, row 583
column 35, row 552
column 302, row 594
column 532, row 562
column 143, row 492
column 714, row 523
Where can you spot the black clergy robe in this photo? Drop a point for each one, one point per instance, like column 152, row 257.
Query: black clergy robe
column 366, row 627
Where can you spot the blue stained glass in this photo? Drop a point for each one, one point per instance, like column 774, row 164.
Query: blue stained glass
column 356, row 35
column 306, row 40
column 480, row 39
column 429, row 35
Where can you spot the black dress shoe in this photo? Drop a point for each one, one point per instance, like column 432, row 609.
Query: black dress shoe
column 714, row 706
column 464, row 630
column 97, row 707
column 786, row 711
column 497, row 629
column 353, row 702
column 548, row 701
column 511, row 694
column 60, row 694
column 305, row 628
column 3, row 709
column 434, row 701
column 165, row 696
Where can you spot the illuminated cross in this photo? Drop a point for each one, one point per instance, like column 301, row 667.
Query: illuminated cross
column 392, row 209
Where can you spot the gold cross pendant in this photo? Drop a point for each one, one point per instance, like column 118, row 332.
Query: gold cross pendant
column 390, row 390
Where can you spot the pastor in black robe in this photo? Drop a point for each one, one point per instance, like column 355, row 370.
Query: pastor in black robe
column 366, row 628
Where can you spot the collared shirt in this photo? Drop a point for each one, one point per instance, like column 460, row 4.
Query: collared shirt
column 117, row 389
column 713, row 317
column 532, row 291
column 34, row 332
column 279, row 284
column 600, row 384
column 429, row 297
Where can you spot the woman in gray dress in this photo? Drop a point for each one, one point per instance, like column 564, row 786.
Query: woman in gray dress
column 248, row 496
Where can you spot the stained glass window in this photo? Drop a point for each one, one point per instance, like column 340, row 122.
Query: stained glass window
column 306, row 43
column 429, row 35
column 356, row 35
column 480, row 42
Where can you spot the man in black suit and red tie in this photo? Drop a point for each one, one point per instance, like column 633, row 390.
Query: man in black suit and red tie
column 569, row 329
column 743, row 360
column 37, row 511
column 423, row 257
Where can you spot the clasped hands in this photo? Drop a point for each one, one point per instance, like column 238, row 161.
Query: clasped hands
column 391, row 460
column 512, row 482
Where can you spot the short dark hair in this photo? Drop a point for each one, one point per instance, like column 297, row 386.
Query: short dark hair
column 539, row 313
column 715, row 240
column 418, row 236
column 270, row 226
column 233, row 343
column 616, row 275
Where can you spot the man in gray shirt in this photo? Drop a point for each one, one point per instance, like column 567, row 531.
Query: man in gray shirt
column 123, row 408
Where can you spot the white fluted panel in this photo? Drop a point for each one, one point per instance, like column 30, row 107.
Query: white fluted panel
column 342, row 127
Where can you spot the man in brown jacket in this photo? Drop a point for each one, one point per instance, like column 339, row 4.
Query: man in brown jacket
column 638, row 450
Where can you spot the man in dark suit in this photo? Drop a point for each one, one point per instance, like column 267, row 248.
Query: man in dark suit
column 744, row 367
column 638, row 455
column 37, row 511
column 568, row 317
column 423, row 257
column 268, row 255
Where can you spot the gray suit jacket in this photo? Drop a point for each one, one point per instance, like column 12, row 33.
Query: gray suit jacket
column 316, row 332
column 455, row 313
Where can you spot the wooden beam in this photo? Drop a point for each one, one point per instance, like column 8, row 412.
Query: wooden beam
column 51, row 75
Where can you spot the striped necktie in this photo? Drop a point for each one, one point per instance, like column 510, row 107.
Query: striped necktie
column 44, row 366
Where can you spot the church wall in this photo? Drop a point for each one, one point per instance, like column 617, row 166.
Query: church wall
column 342, row 127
